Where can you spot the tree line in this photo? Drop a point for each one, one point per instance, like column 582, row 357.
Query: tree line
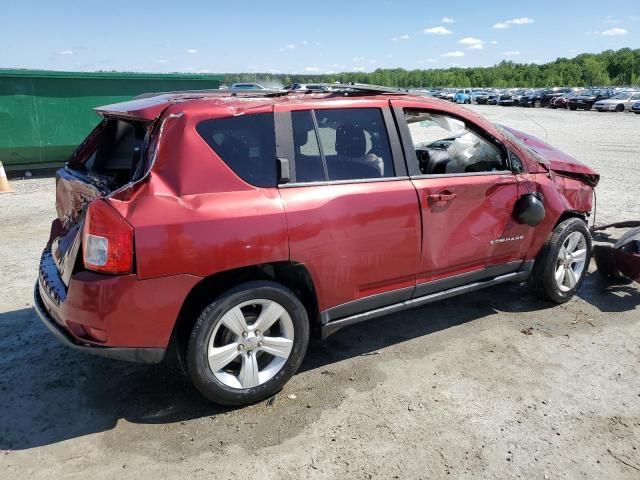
column 611, row 67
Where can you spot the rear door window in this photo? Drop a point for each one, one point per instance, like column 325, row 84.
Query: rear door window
column 341, row 144
column 246, row 143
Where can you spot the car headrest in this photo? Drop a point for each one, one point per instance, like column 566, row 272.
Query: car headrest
column 350, row 141
column 300, row 137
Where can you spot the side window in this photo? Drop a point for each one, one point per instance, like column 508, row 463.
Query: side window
column 246, row 143
column 354, row 143
column 348, row 144
column 444, row 145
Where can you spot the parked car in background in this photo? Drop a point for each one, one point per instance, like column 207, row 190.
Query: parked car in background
column 534, row 98
column 201, row 221
column 586, row 99
column 506, row 98
column 618, row 103
column 552, row 93
column 462, row 96
column 246, row 86
column 635, row 108
column 447, row 94
column 563, row 100
column 493, row 98
column 479, row 97
column 512, row 97
column 309, row 87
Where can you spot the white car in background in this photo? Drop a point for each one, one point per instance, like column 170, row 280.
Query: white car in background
column 618, row 103
column 246, row 86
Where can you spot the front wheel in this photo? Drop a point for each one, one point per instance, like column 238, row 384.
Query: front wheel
column 247, row 343
column 537, row 103
column 562, row 264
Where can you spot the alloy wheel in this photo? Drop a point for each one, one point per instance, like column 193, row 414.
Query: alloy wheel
column 250, row 344
column 571, row 261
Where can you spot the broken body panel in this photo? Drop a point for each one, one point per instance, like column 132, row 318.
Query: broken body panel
column 623, row 258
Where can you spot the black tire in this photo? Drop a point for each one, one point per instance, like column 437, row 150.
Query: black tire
column 537, row 103
column 196, row 355
column 606, row 265
column 542, row 279
column 573, row 108
column 619, row 108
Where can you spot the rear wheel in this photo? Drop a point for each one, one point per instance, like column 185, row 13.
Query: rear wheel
column 537, row 103
column 248, row 343
column 620, row 108
column 562, row 264
column 573, row 108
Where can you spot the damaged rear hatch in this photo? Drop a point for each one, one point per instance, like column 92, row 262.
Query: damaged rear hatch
column 113, row 157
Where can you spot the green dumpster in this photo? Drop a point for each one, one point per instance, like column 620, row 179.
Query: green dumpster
column 44, row 115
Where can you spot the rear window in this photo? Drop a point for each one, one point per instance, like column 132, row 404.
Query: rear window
column 247, row 144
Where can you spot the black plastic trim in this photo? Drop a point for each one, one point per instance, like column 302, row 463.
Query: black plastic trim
column 426, row 176
column 335, row 325
column 139, row 355
column 397, row 153
column 465, row 278
column 342, row 182
column 284, row 142
column 367, row 303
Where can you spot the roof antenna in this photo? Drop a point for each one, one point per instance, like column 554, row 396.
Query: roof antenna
column 546, row 134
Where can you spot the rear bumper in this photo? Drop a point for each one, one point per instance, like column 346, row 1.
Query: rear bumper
column 140, row 355
column 117, row 316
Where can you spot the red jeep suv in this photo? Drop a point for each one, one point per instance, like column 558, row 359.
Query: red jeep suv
column 237, row 224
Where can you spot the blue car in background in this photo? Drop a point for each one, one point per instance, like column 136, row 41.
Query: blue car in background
column 462, row 96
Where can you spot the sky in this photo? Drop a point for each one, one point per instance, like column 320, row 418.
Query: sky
column 330, row 36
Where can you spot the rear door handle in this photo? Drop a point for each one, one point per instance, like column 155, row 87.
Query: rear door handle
column 441, row 197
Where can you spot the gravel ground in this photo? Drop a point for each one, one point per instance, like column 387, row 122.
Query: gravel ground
column 497, row 385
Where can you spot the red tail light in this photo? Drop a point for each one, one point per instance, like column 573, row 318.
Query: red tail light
column 107, row 240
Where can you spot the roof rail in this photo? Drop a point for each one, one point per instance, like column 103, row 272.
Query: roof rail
column 344, row 89
column 365, row 89
column 220, row 92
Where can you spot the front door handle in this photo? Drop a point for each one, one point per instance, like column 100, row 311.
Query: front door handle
column 441, row 197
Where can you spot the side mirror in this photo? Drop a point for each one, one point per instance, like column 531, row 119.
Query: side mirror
column 529, row 209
